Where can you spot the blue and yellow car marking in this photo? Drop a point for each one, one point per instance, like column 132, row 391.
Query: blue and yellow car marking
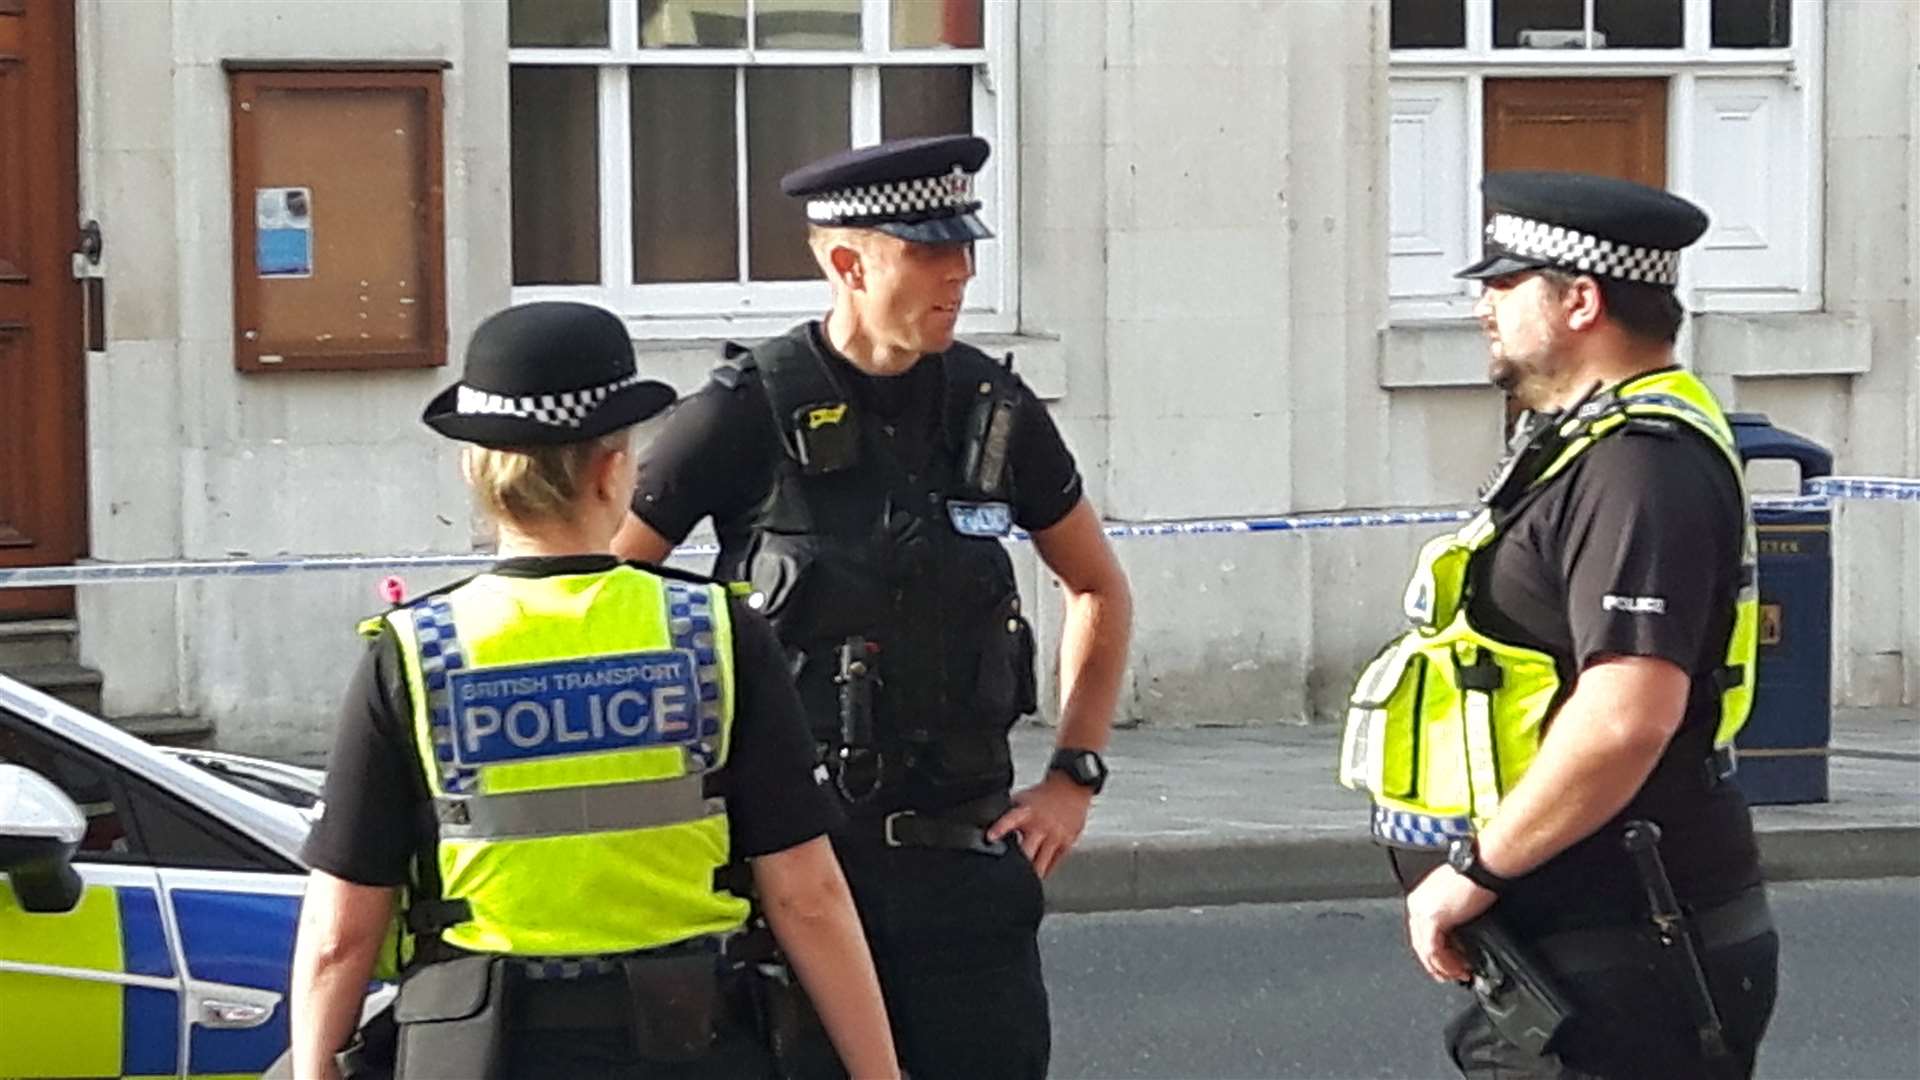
column 95, row 992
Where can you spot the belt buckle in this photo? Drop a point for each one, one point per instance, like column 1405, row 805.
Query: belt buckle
column 886, row 828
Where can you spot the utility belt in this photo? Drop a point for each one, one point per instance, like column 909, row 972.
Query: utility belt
column 1604, row 948
column 454, row 1015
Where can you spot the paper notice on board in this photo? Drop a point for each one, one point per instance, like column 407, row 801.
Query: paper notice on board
column 283, row 231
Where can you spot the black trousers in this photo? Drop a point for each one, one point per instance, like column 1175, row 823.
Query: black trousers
column 1632, row 1022
column 955, row 942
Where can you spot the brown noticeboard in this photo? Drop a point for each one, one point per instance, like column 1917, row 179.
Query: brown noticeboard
column 338, row 220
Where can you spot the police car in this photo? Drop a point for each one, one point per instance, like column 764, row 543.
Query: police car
column 162, row 945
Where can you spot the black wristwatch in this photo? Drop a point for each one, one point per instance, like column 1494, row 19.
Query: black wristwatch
column 1083, row 767
column 1464, row 856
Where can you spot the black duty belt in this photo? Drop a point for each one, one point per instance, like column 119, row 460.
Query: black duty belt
column 910, row 828
column 1740, row 919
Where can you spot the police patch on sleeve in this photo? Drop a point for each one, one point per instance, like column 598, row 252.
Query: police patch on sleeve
column 980, row 518
column 554, row 708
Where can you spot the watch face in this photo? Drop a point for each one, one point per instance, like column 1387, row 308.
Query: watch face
column 1460, row 855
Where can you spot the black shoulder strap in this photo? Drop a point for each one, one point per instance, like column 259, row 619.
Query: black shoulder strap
column 814, row 414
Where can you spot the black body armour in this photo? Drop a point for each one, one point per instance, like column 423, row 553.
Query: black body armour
column 887, row 581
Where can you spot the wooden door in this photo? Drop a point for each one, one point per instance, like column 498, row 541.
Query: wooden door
column 43, row 492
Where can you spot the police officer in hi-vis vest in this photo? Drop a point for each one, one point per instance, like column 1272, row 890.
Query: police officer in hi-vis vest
column 862, row 471
column 546, row 771
column 1549, row 746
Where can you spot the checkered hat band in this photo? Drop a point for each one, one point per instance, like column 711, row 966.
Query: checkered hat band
column 1575, row 250
column 923, row 196
column 567, row 409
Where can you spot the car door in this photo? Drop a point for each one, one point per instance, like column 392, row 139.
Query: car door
column 232, row 908
column 177, row 962
column 94, row 991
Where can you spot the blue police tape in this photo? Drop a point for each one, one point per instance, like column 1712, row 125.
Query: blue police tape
column 1820, row 494
column 1872, row 488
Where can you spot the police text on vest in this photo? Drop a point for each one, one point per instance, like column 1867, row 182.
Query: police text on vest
column 563, row 707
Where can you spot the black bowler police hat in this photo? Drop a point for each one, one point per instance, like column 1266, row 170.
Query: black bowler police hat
column 1585, row 225
column 916, row 189
column 545, row 374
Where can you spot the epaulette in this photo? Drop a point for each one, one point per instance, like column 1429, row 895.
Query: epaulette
column 737, row 361
column 1665, row 427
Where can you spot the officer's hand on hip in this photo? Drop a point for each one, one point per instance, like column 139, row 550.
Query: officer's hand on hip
column 1444, row 900
column 1049, row 816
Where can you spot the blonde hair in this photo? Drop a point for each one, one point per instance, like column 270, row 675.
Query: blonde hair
column 536, row 484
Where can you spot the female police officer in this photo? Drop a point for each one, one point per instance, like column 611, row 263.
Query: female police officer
column 554, row 762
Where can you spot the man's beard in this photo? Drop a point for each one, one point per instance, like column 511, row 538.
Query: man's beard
column 1527, row 380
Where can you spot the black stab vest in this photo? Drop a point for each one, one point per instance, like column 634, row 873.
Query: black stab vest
column 852, row 541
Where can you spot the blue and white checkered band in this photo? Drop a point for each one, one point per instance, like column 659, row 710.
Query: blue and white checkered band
column 441, row 655
column 1406, row 830
column 1572, row 249
column 564, row 968
column 690, row 623
column 567, row 409
column 917, row 199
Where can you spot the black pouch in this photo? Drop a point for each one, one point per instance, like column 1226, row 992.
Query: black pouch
column 793, row 1031
column 452, row 1017
column 1519, row 995
column 674, row 1004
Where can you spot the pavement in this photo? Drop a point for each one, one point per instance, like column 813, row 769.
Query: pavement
column 1202, row 816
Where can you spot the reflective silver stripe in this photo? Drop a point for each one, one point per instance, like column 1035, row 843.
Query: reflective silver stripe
column 578, row 810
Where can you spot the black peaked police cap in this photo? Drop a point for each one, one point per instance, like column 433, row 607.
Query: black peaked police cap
column 546, row 374
column 1585, row 224
column 917, row 189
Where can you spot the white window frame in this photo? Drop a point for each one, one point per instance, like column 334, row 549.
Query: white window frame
column 748, row 308
column 1800, row 67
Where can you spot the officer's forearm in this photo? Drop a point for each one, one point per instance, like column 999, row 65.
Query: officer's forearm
column 811, row 914
column 341, row 929
column 1093, row 659
column 1602, row 746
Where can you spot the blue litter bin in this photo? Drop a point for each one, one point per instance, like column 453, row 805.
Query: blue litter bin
column 1783, row 748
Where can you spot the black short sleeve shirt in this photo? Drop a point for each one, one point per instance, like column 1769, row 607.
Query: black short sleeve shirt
column 1634, row 551
column 374, row 797
column 715, row 455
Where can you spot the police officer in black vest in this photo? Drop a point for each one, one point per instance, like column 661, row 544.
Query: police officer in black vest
column 862, row 472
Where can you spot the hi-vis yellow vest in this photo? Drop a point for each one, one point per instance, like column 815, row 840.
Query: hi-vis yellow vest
column 1446, row 720
column 565, row 725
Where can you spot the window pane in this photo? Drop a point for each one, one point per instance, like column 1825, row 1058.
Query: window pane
column 557, row 23
column 925, row 101
column 794, row 115
column 87, row 786
column 686, row 226
column 806, row 24
column 1539, row 24
column 935, row 24
column 1427, row 24
column 1636, row 24
column 556, row 175
column 1752, row 24
column 712, row 24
